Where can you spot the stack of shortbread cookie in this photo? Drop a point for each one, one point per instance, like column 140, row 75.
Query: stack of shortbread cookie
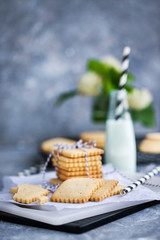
column 71, row 163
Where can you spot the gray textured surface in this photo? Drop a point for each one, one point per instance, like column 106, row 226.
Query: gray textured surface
column 44, row 46
column 143, row 225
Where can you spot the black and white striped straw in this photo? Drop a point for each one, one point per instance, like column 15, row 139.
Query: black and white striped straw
column 123, row 80
column 140, row 181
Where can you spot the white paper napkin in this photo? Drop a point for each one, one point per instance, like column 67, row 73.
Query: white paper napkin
column 141, row 193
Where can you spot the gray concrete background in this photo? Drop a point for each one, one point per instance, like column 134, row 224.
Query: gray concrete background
column 44, row 46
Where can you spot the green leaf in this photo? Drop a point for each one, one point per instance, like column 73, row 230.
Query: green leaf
column 129, row 88
column 110, row 75
column 65, row 96
column 130, row 77
column 96, row 66
column 145, row 116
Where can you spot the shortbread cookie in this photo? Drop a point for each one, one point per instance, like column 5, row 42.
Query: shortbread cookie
column 150, row 146
column 98, row 136
column 153, row 136
column 76, row 190
column 76, row 153
column 29, row 193
column 91, row 168
column 64, row 177
column 77, row 160
column 116, row 190
column 13, row 190
column 77, row 165
column 55, row 181
column 78, row 173
column 104, row 191
column 77, row 169
column 48, row 145
column 42, row 200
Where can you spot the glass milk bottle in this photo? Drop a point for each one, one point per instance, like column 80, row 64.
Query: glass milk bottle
column 120, row 149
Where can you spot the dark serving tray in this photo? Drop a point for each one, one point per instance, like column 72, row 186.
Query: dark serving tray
column 79, row 226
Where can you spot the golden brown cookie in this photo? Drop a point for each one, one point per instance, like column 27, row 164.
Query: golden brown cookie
column 98, row 136
column 153, row 136
column 104, row 190
column 76, row 190
column 29, row 193
column 76, row 165
column 150, row 146
column 78, row 173
column 64, row 177
column 77, row 160
column 55, row 181
column 91, row 168
column 13, row 190
column 116, row 190
column 42, row 200
column 48, row 145
column 76, row 153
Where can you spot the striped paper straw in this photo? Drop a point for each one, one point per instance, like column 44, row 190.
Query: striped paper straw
column 122, row 83
column 140, row 181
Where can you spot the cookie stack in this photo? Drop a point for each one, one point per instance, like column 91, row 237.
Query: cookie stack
column 72, row 163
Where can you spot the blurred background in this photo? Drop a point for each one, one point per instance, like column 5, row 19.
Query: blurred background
column 44, row 46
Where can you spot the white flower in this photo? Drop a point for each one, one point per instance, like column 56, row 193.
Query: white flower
column 139, row 99
column 90, row 84
column 112, row 61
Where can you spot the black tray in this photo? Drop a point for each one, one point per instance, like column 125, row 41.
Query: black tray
column 80, row 226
